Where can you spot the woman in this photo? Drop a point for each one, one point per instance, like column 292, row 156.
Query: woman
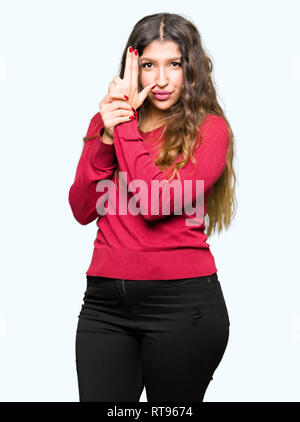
column 154, row 313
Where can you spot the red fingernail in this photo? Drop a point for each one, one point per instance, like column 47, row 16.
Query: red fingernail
column 130, row 49
column 153, row 86
column 125, row 96
column 131, row 117
column 133, row 109
column 135, row 52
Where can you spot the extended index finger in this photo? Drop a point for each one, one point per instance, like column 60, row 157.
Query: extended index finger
column 128, row 66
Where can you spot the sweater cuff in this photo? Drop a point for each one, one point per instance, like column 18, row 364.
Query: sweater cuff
column 105, row 154
column 131, row 133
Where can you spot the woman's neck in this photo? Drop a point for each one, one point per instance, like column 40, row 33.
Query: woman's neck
column 151, row 123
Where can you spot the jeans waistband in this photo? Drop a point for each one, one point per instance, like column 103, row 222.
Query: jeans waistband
column 97, row 279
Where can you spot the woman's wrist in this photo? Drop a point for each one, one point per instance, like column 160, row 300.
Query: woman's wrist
column 106, row 139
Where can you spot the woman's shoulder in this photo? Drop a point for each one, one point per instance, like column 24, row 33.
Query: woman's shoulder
column 215, row 118
column 214, row 131
column 215, row 123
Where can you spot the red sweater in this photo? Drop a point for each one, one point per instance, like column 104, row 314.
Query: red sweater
column 136, row 245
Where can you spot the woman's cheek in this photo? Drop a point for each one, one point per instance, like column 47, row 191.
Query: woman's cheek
column 146, row 78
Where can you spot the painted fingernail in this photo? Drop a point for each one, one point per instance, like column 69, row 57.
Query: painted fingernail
column 153, row 86
column 135, row 52
column 133, row 109
column 131, row 117
column 125, row 96
column 130, row 49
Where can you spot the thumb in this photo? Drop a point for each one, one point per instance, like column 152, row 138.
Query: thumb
column 107, row 99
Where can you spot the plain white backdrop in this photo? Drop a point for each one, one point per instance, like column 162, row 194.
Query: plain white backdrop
column 56, row 61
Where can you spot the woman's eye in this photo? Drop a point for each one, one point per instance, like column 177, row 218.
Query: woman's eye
column 144, row 64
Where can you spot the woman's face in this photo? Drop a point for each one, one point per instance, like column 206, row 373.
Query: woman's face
column 160, row 64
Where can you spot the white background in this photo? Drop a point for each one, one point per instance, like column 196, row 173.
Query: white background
column 56, row 61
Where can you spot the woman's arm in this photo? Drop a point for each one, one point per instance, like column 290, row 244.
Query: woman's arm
column 97, row 162
column 134, row 159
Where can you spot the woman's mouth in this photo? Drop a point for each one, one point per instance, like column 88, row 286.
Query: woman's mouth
column 161, row 97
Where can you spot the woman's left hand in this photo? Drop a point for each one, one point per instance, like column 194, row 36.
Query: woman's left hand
column 128, row 86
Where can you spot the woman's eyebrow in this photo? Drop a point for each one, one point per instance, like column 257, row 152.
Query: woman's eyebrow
column 153, row 60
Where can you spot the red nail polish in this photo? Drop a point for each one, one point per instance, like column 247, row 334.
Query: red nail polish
column 125, row 96
column 135, row 52
column 133, row 110
column 130, row 49
column 131, row 117
column 153, row 86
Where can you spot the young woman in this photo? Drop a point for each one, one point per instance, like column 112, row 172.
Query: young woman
column 154, row 313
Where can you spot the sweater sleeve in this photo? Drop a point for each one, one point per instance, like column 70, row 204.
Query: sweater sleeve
column 97, row 162
column 141, row 172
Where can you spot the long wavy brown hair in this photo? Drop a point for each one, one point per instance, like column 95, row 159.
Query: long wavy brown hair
column 183, row 120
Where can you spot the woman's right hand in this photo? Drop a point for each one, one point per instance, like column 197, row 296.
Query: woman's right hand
column 114, row 109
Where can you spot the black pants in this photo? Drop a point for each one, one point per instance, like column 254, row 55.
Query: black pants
column 168, row 336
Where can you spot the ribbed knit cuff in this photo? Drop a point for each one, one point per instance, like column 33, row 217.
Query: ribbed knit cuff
column 131, row 133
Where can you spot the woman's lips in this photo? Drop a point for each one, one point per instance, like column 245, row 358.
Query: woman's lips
column 161, row 97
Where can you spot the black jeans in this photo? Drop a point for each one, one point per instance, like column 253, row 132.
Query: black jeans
column 168, row 336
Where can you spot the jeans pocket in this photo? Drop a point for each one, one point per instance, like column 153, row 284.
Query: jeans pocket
column 197, row 281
